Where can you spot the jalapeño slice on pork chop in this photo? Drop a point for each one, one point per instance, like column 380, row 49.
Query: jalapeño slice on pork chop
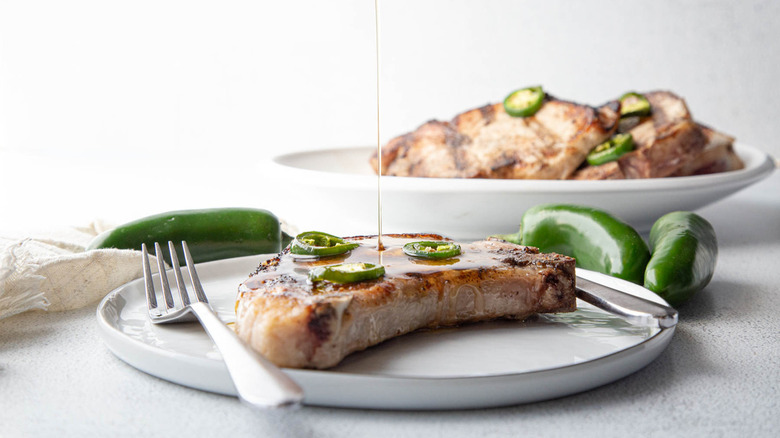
column 525, row 102
column 347, row 272
column 436, row 250
column 317, row 243
column 611, row 149
column 634, row 104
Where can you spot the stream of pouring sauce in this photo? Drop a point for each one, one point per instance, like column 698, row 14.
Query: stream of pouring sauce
column 379, row 246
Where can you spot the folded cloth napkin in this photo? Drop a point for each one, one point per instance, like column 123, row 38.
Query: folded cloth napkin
column 54, row 272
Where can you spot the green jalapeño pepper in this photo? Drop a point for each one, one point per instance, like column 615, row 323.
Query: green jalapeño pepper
column 634, row 104
column 525, row 102
column 598, row 241
column 317, row 243
column 211, row 234
column 685, row 250
column 611, row 149
column 347, row 272
column 435, row 250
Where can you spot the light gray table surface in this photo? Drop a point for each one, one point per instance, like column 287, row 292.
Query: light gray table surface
column 720, row 376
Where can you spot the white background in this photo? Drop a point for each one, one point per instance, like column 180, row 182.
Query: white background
column 96, row 97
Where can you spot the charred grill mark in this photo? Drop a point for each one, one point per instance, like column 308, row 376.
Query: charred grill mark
column 488, row 113
column 456, row 141
column 404, row 143
column 504, row 161
column 584, row 122
column 320, row 318
column 516, row 262
column 551, row 279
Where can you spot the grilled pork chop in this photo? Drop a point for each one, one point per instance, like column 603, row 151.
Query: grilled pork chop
column 489, row 143
column 668, row 143
column 717, row 156
column 296, row 323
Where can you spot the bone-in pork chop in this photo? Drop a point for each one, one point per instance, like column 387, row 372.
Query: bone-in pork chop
column 297, row 323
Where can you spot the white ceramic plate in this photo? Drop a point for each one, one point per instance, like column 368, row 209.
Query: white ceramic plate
column 475, row 366
column 335, row 190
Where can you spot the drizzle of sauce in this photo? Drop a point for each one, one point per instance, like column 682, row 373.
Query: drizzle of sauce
column 395, row 261
column 379, row 246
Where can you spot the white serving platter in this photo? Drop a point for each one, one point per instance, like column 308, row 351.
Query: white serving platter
column 335, row 190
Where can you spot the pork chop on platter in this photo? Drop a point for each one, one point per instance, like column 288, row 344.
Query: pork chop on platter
column 489, row 143
column 668, row 143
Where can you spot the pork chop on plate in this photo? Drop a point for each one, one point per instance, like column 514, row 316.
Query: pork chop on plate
column 297, row 323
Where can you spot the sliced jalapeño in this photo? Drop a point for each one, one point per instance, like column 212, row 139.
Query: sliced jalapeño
column 347, row 272
column 525, row 102
column 317, row 243
column 634, row 104
column 611, row 149
column 435, row 250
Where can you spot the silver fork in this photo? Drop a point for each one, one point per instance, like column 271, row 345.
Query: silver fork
column 258, row 382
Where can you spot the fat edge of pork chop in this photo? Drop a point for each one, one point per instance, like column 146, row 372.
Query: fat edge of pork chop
column 296, row 326
column 488, row 143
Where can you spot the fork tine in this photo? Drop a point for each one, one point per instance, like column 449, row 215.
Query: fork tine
column 167, row 297
column 185, row 298
column 151, row 297
column 199, row 294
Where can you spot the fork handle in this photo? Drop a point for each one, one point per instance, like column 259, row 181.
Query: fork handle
column 258, row 382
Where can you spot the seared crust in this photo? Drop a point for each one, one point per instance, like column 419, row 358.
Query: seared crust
column 295, row 323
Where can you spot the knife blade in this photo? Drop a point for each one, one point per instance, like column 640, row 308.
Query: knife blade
column 635, row 309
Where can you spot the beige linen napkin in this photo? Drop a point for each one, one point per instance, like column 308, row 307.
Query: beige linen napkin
column 54, row 272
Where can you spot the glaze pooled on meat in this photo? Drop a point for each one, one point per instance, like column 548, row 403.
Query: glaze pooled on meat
column 296, row 323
